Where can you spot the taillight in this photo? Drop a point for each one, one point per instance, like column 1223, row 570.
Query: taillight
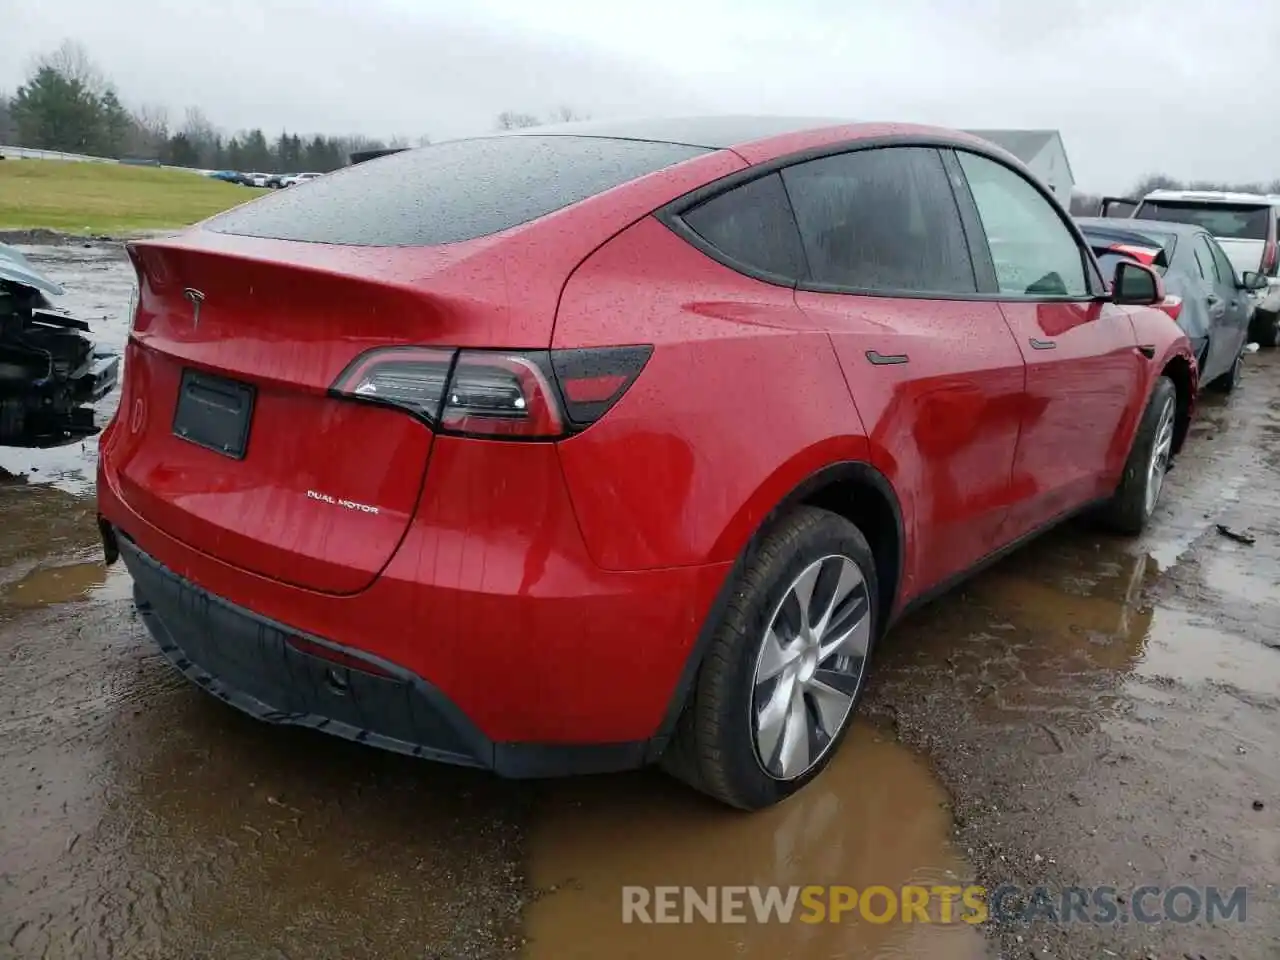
column 1269, row 258
column 1172, row 306
column 530, row 395
column 501, row 394
column 413, row 378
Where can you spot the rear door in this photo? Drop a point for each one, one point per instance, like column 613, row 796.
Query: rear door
column 934, row 371
column 1084, row 372
column 1220, row 299
column 1234, row 326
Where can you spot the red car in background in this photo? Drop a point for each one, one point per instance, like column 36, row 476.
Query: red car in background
column 579, row 448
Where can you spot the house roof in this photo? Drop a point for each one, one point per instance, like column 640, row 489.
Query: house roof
column 1025, row 144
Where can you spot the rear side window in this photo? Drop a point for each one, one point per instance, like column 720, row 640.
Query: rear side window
column 881, row 220
column 449, row 192
column 753, row 227
column 1204, row 257
column 1225, row 269
column 1234, row 221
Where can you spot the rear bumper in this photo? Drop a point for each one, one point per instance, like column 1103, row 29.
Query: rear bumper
column 509, row 647
column 259, row 667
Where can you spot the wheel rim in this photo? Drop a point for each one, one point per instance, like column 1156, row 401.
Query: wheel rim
column 810, row 666
column 1161, row 451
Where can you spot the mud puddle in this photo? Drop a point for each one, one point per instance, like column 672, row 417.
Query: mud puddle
column 67, row 583
column 877, row 817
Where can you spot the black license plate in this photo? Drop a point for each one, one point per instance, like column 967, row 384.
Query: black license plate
column 214, row 412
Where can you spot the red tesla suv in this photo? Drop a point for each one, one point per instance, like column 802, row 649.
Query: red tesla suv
column 579, row 448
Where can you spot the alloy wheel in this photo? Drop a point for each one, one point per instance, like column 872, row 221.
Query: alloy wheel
column 810, row 666
column 1161, row 452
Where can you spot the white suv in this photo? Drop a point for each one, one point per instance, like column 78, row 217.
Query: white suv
column 1245, row 226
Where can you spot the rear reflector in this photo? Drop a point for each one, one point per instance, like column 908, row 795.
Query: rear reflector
column 530, row 395
column 593, row 380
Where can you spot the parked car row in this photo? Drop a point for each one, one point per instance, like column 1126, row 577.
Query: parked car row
column 1204, row 294
column 263, row 180
column 1245, row 228
column 630, row 440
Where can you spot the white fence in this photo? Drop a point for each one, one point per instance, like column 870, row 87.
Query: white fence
column 27, row 153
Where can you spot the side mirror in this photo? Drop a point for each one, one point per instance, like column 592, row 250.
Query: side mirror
column 1253, row 281
column 1136, row 285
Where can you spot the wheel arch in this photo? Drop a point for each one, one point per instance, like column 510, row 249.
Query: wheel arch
column 1183, row 371
column 853, row 489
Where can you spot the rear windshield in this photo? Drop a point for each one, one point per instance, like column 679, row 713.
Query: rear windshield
column 1228, row 220
column 451, row 191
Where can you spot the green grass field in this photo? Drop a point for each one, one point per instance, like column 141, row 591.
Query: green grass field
column 107, row 198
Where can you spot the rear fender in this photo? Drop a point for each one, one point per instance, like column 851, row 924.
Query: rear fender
column 1165, row 343
column 758, row 516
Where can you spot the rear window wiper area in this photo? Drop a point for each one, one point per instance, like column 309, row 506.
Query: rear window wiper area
column 51, row 371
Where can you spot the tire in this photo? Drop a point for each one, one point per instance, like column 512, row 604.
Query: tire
column 719, row 746
column 1149, row 458
column 1264, row 329
column 1231, row 379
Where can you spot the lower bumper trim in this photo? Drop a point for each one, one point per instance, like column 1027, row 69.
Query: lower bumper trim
column 248, row 662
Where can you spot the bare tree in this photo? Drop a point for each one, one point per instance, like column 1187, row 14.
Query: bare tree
column 202, row 135
column 1084, row 204
column 73, row 63
column 567, row 114
column 511, row 120
column 150, row 132
column 8, row 129
column 1154, row 181
column 424, row 140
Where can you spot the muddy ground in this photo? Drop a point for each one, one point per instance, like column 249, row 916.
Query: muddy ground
column 1090, row 712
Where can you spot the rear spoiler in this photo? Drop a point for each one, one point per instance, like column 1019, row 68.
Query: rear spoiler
column 1131, row 245
column 1108, row 203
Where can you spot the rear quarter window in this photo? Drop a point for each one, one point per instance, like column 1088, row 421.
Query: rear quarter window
column 450, row 192
column 753, row 228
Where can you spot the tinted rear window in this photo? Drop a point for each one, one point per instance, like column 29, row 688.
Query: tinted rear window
column 1229, row 220
column 450, row 192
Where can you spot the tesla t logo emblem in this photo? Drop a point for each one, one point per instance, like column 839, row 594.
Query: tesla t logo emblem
column 196, row 298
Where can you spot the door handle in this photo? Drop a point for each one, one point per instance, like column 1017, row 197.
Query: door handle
column 881, row 359
column 1043, row 344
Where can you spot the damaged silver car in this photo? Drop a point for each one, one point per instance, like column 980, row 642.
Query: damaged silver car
column 51, row 371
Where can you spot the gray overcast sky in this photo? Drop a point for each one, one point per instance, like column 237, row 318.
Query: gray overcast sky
column 1197, row 101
